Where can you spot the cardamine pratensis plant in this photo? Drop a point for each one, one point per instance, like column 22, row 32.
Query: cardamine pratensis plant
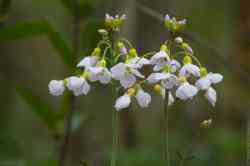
column 176, row 72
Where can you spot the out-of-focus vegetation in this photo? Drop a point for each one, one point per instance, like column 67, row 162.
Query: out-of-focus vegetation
column 36, row 47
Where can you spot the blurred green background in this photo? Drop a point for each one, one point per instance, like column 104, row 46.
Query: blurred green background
column 35, row 48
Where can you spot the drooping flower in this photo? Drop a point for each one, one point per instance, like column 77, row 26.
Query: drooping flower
column 189, row 68
column 78, row 85
column 56, row 87
column 123, row 102
column 160, row 58
column 205, row 83
column 143, row 98
column 186, row 91
column 211, row 95
column 168, row 80
column 126, row 74
column 140, row 95
column 101, row 74
column 92, row 60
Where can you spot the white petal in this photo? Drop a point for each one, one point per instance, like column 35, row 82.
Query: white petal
column 215, row 77
column 158, row 56
column 83, row 90
column 122, row 102
column 143, row 98
column 95, row 70
column 118, row 70
column 190, row 69
column 56, row 88
column 211, row 96
column 170, row 81
column 105, row 77
column 127, row 81
column 74, row 83
column 203, row 83
column 93, row 77
column 88, row 61
column 140, row 61
column 136, row 73
column 186, row 91
column 156, row 77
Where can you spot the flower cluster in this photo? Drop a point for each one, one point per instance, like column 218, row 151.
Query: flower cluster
column 175, row 71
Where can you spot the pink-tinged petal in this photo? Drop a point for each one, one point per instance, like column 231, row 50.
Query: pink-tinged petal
column 118, row 71
column 186, row 91
column 88, row 61
column 127, row 81
column 203, row 83
column 143, row 98
column 56, row 88
column 211, row 95
column 122, row 102
column 215, row 77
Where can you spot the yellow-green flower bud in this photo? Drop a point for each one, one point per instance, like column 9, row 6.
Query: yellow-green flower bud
column 102, row 63
column 132, row 52
column 86, row 75
column 164, row 48
column 206, row 123
column 131, row 92
column 203, row 71
column 96, row 52
column 187, row 60
column 158, row 88
column 120, row 45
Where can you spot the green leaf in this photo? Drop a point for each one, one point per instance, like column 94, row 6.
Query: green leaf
column 41, row 108
column 37, row 28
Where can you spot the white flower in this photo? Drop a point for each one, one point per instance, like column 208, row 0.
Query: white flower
column 138, row 62
column 203, row 83
column 215, row 77
column 159, row 57
column 168, row 80
column 101, row 74
column 188, row 69
column 88, row 61
column 125, row 74
column 122, row 102
column 140, row 95
column 186, row 91
column 211, row 96
column 56, row 88
column 78, row 85
column 143, row 98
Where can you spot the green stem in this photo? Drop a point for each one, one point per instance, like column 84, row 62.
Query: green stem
column 115, row 128
column 166, row 156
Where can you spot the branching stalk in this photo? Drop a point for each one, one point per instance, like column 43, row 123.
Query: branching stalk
column 166, row 156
